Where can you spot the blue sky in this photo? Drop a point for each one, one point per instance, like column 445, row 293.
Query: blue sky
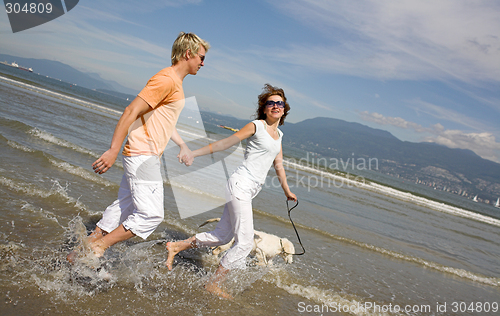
column 423, row 70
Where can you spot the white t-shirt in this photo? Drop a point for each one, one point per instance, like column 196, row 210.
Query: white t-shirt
column 260, row 153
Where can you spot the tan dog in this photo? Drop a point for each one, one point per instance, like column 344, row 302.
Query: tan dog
column 265, row 247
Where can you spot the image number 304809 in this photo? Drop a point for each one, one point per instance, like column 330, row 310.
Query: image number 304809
column 26, row 14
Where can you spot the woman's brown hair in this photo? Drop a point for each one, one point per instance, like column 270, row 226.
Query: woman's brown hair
column 268, row 91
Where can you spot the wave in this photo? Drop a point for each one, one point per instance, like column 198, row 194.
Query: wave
column 394, row 193
column 197, row 191
column 464, row 274
column 45, row 136
column 194, row 135
column 79, row 171
column 48, row 137
column 62, row 165
column 16, row 125
column 179, row 225
column 19, row 146
column 438, row 206
column 329, row 302
column 56, row 191
column 38, row 210
column 61, row 96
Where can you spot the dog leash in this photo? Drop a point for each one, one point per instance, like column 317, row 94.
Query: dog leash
column 296, row 232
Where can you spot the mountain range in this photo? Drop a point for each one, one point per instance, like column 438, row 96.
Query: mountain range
column 67, row 73
column 458, row 170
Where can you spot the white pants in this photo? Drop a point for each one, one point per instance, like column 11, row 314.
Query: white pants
column 236, row 221
column 139, row 206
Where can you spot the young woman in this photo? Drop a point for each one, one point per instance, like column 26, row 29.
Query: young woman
column 263, row 149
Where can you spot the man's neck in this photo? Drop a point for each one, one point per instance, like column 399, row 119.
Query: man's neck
column 181, row 70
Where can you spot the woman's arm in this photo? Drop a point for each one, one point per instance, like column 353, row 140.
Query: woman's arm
column 227, row 142
column 280, row 172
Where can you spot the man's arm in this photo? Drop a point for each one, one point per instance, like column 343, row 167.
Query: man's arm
column 137, row 107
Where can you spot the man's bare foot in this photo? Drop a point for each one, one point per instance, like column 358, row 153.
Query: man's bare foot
column 216, row 290
column 95, row 236
column 97, row 248
column 71, row 257
column 88, row 256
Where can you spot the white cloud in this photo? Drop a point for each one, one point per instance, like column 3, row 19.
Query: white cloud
column 249, row 68
column 144, row 5
column 446, row 39
column 75, row 39
column 88, row 13
column 483, row 144
column 394, row 121
column 445, row 114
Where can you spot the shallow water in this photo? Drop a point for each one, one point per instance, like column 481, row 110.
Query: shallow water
column 365, row 244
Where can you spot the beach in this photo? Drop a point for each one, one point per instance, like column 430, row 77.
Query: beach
column 371, row 249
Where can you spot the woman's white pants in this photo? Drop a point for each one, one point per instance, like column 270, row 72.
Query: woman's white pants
column 236, row 222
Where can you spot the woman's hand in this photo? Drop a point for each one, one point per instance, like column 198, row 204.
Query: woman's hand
column 291, row 197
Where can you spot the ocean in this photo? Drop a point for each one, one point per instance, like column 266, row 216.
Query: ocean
column 371, row 248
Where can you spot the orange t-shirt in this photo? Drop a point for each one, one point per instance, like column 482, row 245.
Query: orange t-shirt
column 150, row 133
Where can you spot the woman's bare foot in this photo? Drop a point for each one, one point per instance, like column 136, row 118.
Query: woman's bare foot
column 171, row 255
column 213, row 286
column 216, row 290
column 174, row 248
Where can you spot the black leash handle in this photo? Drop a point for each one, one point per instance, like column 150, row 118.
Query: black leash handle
column 297, row 233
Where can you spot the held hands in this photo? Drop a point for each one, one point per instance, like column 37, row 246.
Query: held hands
column 104, row 162
column 186, row 156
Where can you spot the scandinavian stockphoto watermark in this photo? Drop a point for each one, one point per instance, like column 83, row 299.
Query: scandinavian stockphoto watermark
column 26, row 14
column 312, row 172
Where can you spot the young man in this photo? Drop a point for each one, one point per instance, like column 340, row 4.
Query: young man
column 149, row 121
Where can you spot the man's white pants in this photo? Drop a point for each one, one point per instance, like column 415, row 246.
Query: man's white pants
column 139, row 206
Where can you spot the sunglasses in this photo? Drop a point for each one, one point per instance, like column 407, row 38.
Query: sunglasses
column 279, row 104
column 202, row 57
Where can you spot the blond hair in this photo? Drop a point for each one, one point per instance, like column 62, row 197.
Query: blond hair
column 185, row 42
